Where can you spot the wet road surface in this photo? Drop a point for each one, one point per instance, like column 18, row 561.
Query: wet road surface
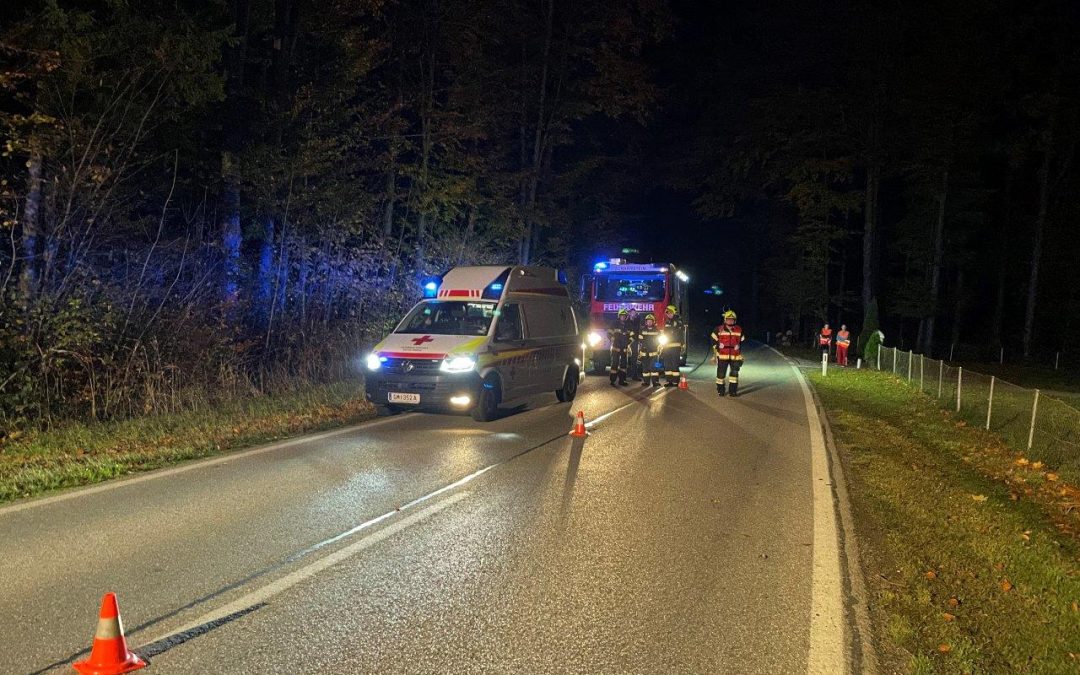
column 678, row 537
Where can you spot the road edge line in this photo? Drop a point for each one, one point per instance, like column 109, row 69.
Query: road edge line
column 864, row 658
column 142, row 477
column 828, row 645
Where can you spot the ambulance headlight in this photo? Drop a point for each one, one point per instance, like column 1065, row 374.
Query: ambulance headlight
column 374, row 361
column 457, row 364
column 594, row 339
column 662, row 340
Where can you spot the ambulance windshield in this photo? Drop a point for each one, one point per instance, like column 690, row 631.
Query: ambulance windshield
column 626, row 288
column 449, row 317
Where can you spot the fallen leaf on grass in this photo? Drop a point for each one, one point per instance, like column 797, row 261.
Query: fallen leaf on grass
column 1036, row 465
column 1006, row 585
column 931, row 575
column 1026, row 534
column 953, row 602
column 1075, row 607
column 979, row 498
column 1013, row 496
column 1051, row 476
column 1022, row 461
column 948, row 617
column 944, row 648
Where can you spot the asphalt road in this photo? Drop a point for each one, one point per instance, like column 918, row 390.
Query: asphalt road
column 678, row 537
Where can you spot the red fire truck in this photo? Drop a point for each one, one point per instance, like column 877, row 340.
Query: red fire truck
column 617, row 284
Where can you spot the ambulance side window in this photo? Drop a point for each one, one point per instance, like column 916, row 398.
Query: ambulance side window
column 508, row 326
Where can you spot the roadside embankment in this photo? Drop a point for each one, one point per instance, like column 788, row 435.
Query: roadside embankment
column 81, row 454
column 971, row 550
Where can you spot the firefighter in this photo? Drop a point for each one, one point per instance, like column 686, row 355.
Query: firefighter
column 648, row 341
column 634, row 359
column 843, row 341
column 671, row 354
column 620, row 335
column 727, row 347
column 824, row 339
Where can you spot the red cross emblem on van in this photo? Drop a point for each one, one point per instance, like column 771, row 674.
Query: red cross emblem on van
column 421, row 340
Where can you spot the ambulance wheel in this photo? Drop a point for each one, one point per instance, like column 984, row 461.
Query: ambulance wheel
column 569, row 386
column 487, row 405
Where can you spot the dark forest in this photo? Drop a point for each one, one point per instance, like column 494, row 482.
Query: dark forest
column 203, row 200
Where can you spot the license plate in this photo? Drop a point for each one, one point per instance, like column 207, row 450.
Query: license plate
column 396, row 397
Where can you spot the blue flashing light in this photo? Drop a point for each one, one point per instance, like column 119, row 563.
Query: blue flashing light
column 561, row 276
column 431, row 289
column 600, row 266
column 496, row 287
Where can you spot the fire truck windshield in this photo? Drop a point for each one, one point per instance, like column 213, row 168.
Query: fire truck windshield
column 615, row 288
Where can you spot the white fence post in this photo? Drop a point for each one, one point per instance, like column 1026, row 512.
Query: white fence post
column 940, row 372
column 910, row 356
column 922, row 374
column 990, row 403
column 952, row 349
column 880, row 347
column 1001, row 355
column 959, row 385
column 1057, row 360
column 894, row 360
column 858, row 363
column 1034, row 409
column 824, row 364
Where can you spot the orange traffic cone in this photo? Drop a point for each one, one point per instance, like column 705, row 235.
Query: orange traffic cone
column 110, row 655
column 683, row 384
column 579, row 426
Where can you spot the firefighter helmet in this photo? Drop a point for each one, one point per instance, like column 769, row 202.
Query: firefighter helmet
column 730, row 314
column 623, row 312
column 671, row 308
column 650, row 317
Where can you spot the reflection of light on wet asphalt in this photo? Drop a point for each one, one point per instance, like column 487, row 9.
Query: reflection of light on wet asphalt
column 501, row 436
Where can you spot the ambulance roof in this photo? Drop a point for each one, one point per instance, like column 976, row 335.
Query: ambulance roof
column 471, row 282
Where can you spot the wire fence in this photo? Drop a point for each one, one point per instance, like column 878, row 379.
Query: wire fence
column 1046, row 429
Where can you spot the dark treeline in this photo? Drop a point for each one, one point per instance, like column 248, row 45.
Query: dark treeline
column 212, row 198
column 908, row 163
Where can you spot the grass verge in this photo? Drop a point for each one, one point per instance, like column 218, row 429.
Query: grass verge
column 971, row 552
column 80, row 454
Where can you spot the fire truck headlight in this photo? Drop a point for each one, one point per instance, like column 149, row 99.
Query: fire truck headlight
column 662, row 340
column 594, row 339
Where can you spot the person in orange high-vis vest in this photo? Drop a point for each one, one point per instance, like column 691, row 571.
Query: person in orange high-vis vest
column 727, row 347
column 824, row 339
column 843, row 341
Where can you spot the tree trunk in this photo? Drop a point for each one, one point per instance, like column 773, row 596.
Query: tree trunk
column 958, row 308
column 935, row 269
column 1040, row 227
column 869, row 232
column 1002, row 257
column 31, row 229
column 231, row 239
column 304, row 271
column 470, row 225
column 531, row 234
column 264, row 280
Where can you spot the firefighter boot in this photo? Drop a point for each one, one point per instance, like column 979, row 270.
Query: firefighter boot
column 733, row 388
column 720, row 390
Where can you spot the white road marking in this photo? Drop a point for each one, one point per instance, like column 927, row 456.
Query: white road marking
column 826, row 584
column 198, row 464
column 293, row 578
column 601, row 418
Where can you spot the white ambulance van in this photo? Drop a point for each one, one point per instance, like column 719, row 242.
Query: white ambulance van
column 485, row 337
